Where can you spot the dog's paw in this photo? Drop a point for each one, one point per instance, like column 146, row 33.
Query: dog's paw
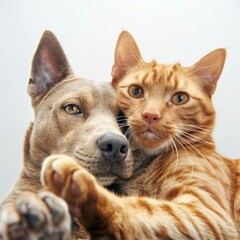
column 36, row 216
column 66, row 178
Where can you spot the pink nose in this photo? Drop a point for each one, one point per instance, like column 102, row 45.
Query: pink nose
column 150, row 117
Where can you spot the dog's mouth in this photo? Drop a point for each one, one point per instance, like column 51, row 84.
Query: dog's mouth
column 105, row 171
column 115, row 188
column 106, row 180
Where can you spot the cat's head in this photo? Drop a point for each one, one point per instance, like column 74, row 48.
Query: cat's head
column 166, row 106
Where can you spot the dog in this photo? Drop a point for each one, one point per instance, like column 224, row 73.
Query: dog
column 76, row 118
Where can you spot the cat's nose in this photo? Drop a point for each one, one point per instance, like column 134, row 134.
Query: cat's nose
column 150, row 117
column 113, row 147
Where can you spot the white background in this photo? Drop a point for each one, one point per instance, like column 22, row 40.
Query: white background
column 169, row 31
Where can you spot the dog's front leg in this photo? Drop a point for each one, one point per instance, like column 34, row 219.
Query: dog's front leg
column 24, row 184
column 36, row 216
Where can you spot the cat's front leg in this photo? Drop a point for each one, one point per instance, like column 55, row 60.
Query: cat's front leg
column 108, row 216
column 95, row 207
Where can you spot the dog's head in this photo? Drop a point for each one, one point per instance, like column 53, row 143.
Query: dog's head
column 74, row 116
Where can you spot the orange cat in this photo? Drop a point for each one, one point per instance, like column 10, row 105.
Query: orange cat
column 182, row 188
column 170, row 113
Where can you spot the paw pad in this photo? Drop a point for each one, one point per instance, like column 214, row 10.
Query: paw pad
column 58, row 181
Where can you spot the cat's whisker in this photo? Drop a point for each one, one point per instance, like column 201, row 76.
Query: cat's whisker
column 121, row 121
column 130, row 137
column 129, row 133
column 196, row 138
column 123, row 125
column 172, row 147
column 182, row 145
column 129, row 130
column 200, row 127
column 121, row 118
column 192, row 137
column 194, row 131
column 201, row 135
column 189, row 145
column 175, row 147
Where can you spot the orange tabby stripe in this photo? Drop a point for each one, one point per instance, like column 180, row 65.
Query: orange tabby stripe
column 180, row 226
column 162, row 234
column 204, row 219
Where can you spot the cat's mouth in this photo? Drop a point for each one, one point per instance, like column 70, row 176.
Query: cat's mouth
column 150, row 140
column 148, row 134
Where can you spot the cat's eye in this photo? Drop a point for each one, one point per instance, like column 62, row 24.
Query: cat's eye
column 135, row 91
column 179, row 98
column 72, row 109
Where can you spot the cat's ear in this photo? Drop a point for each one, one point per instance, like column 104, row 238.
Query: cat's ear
column 127, row 56
column 49, row 65
column 209, row 68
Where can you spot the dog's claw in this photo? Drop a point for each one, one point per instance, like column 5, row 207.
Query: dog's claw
column 16, row 232
column 35, row 220
column 55, row 209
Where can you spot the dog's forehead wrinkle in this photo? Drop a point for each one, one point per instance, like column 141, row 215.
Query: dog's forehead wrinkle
column 82, row 90
column 104, row 97
column 75, row 87
column 62, row 93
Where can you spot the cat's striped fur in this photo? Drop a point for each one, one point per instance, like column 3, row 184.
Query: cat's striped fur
column 191, row 192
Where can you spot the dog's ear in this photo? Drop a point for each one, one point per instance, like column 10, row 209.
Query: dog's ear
column 127, row 56
column 49, row 65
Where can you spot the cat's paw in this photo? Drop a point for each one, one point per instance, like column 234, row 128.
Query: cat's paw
column 88, row 201
column 65, row 177
column 36, row 216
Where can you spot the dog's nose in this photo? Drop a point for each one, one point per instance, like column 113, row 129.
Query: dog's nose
column 113, row 146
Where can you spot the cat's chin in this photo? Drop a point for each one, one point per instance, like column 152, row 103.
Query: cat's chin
column 149, row 135
column 148, row 140
column 151, row 143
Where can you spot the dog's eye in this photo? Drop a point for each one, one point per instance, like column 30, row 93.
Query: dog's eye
column 72, row 109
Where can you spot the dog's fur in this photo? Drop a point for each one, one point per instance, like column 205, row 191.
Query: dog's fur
column 55, row 92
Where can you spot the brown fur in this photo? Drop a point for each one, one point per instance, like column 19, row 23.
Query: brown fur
column 188, row 191
column 56, row 130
